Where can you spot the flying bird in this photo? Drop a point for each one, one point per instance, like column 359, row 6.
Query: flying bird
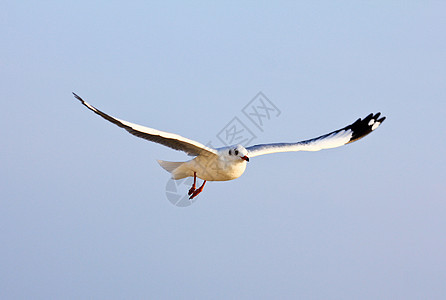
column 229, row 163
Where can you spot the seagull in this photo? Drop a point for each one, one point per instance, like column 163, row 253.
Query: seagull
column 228, row 163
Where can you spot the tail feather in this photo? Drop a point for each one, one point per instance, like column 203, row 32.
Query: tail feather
column 169, row 166
column 178, row 170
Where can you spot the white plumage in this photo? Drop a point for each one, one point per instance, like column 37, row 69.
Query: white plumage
column 229, row 163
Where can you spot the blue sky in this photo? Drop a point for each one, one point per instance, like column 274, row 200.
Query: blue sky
column 83, row 205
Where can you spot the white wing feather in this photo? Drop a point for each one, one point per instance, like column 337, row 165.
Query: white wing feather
column 348, row 134
column 171, row 140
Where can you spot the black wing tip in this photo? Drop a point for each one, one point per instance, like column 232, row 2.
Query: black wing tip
column 87, row 105
column 363, row 127
column 77, row 97
column 376, row 119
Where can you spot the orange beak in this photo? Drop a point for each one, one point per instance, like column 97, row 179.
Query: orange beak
column 245, row 158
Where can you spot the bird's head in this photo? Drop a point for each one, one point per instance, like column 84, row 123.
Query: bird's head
column 237, row 152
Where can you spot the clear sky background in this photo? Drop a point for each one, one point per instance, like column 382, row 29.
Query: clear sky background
column 83, row 206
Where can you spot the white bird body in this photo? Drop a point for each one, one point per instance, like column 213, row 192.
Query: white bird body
column 230, row 162
column 220, row 167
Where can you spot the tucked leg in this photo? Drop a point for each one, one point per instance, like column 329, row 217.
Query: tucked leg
column 197, row 191
column 192, row 189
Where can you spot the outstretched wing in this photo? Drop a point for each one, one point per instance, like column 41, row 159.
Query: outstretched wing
column 348, row 134
column 171, row 140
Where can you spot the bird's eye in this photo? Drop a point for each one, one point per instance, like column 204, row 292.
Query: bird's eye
column 236, row 152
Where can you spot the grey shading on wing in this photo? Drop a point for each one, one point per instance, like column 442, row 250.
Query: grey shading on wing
column 346, row 135
column 171, row 140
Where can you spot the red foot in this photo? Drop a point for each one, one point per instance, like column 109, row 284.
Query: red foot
column 192, row 189
column 197, row 191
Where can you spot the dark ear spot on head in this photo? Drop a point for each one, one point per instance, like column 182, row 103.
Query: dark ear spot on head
column 230, row 152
